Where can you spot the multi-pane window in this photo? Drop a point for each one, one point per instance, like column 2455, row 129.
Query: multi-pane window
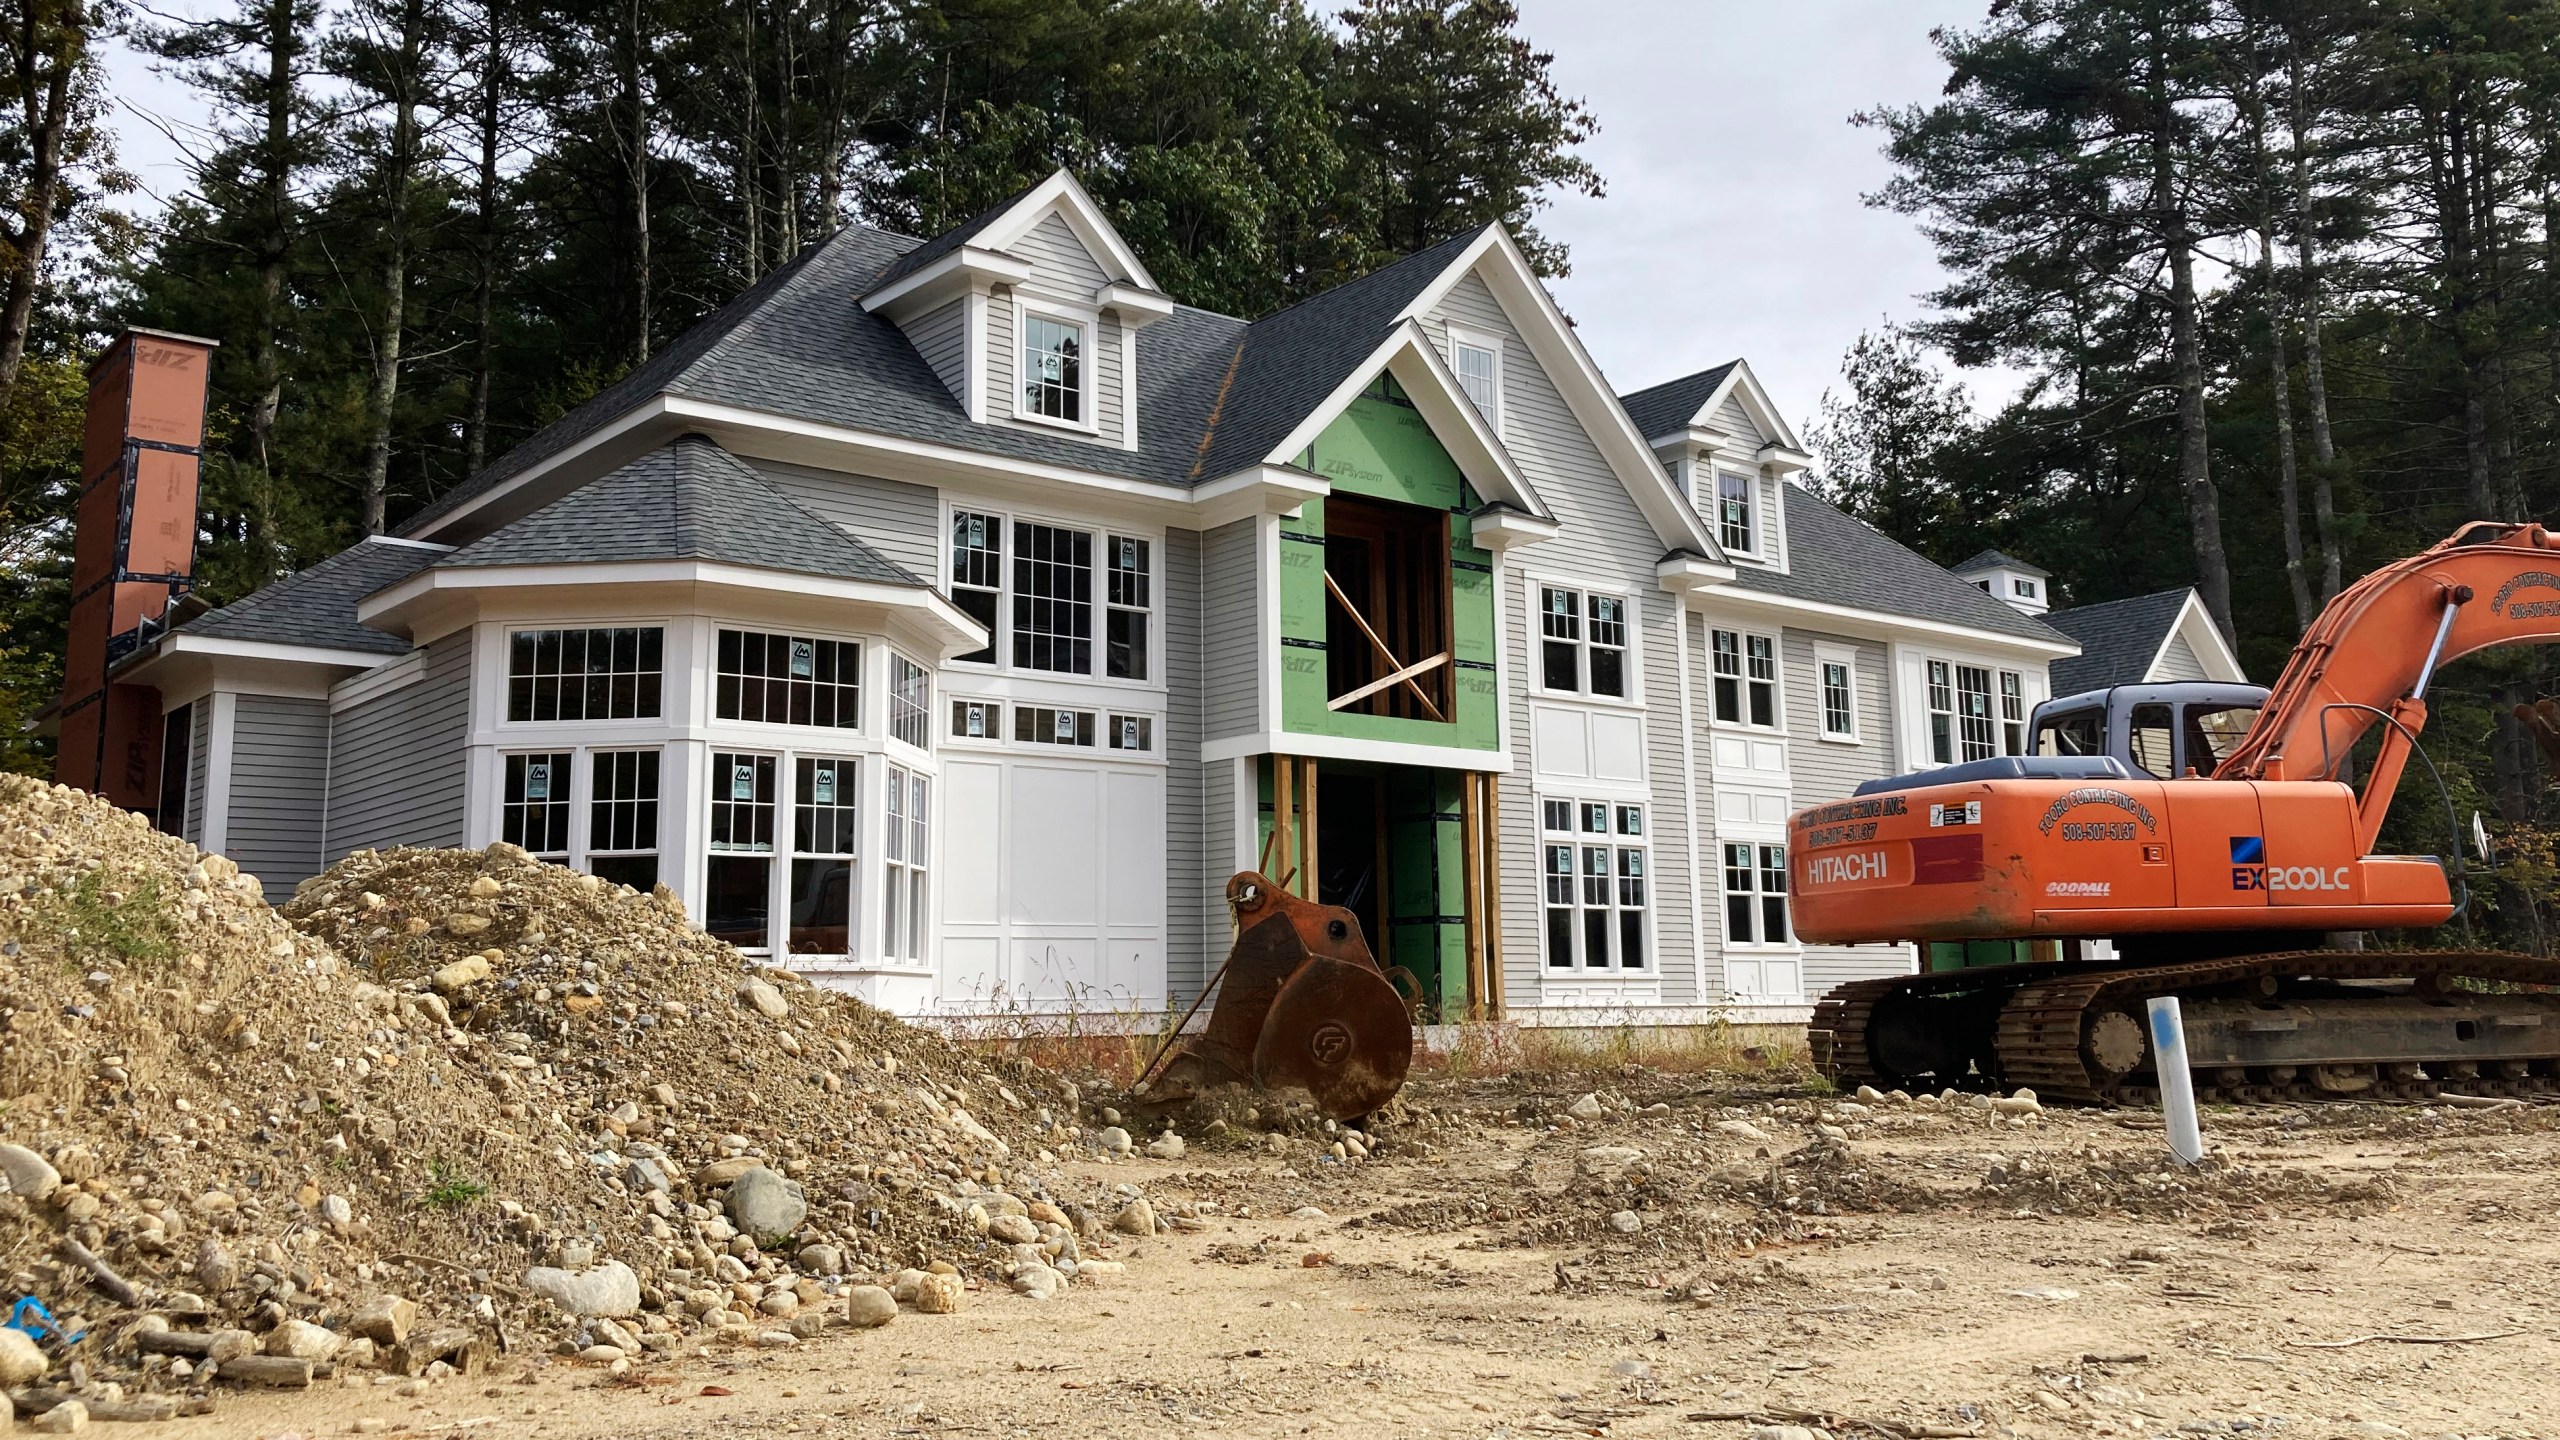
column 1479, row 370
column 826, row 812
column 977, row 720
column 2013, row 713
column 1755, row 895
column 1595, row 884
column 611, row 673
column 1052, row 599
column 534, row 810
column 1125, row 626
column 1839, row 701
column 1053, row 369
column 1133, row 732
column 788, row 680
column 1744, row 670
column 741, row 799
column 1980, row 741
column 1583, row 645
column 1733, row 512
column 1942, row 713
column 1044, row 725
column 908, row 808
column 622, row 817
column 910, row 701
column 977, row 572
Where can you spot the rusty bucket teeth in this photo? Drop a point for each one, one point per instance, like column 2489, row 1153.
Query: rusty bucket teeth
column 1302, row 1006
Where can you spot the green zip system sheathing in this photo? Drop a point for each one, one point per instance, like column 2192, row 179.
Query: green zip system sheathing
column 1382, row 448
column 1424, row 909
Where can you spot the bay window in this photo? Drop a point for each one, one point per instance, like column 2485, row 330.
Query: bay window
column 910, row 701
column 908, row 806
column 788, row 680
column 622, row 817
column 825, row 821
column 738, row 896
column 604, row 673
column 533, row 812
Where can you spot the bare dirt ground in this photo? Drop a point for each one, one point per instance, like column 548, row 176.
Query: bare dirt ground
column 1919, row 1270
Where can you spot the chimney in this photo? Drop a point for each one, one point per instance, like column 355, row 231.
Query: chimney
column 134, row 551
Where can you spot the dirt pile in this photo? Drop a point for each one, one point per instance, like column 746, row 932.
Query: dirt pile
column 473, row 1103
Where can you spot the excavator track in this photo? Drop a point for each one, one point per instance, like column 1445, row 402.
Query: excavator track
column 2047, row 1034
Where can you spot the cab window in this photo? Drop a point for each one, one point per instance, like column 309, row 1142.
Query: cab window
column 2151, row 741
column 2080, row 733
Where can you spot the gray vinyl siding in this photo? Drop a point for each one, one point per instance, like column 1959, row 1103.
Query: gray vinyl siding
column 1188, row 862
column 1059, row 261
column 279, row 786
column 1106, row 379
column 1773, row 521
column 1606, row 539
column 901, row 521
column 1824, row 770
column 2178, row 661
column 199, row 760
column 1217, row 822
column 941, row 336
column 1001, row 358
column 396, row 762
column 1231, row 631
column 1732, row 419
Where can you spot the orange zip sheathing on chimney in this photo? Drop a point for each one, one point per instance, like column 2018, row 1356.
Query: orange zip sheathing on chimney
column 134, row 549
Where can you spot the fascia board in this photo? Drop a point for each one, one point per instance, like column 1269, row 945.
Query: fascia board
column 1136, row 308
column 945, row 279
column 1880, row 623
column 1063, row 193
column 926, row 604
column 1554, row 345
column 1256, row 490
column 1408, row 355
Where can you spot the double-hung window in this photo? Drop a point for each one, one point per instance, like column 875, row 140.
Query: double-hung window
column 1053, row 368
column 1734, row 529
column 742, row 800
column 1125, row 626
column 977, row 573
column 622, row 817
column 788, row 680
column 1839, row 695
column 1979, row 741
column 1755, row 895
column 2013, row 713
column 1583, row 642
column 533, row 813
column 826, row 814
column 1942, row 713
column 1478, row 361
column 1744, row 670
column 1971, row 720
column 910, row 701
column 1595, row 884
column 908, row 807
column 1052, row 599
column 607, row 673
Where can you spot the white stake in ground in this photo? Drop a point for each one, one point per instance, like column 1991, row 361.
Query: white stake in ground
column 2177, row 1086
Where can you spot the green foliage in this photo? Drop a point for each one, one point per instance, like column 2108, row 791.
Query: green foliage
column 449, row 1187
column 107, row 918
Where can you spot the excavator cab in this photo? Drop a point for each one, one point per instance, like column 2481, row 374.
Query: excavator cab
column 2164, row 731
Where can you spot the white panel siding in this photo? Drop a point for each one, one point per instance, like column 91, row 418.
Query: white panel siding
column 941, row 336
column 2178, row 661
column 279, row 782
column 1188, row 863
column 1059, row 262
column 1605, row 541
column 396, row 763
column 901, row 521
column 1826, row 770
column 1231, row 623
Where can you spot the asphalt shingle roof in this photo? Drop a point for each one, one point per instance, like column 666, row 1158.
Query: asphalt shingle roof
column 1836, row 559
column 1997, row 560
column 2118, row 639
column 317, row 606
column 949, row 240
column 689, row 500
column 1660, row 409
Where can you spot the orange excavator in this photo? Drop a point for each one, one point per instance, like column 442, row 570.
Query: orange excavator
column 2202, row 841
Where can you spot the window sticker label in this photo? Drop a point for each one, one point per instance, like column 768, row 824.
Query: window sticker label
column 742, row 782
column 537, row 780
column 804, row 660
column 823, row 785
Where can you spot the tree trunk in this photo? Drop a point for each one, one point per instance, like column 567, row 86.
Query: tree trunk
column 631, row 50
column 484, row 283
column 52, row 42
column 2279, row 373
column 275, row 250
column 2315, row 385
column 2186, row 353
column 399, row 179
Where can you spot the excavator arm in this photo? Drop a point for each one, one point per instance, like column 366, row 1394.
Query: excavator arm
column 2368, row 657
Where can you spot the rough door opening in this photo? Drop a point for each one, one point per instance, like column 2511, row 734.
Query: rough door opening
column 1386, row 575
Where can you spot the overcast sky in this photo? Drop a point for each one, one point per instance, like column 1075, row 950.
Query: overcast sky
column 1733, row 224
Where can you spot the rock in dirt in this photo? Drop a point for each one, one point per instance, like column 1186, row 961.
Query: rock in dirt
column 27, row 1173
column 868, row 1307
column 609, row 1289
column 22, row 1361
column 767, row 1000
column 1587, row 1108
column 940, row 1294
column 1038, row 1282
column 1013, row 1230
column 1607, row 1162
column 1167, row 1146
column 68, row 1418
column 302, row 1340
column 1626, row 1222
column 763, row 1204
column 1135, row 1218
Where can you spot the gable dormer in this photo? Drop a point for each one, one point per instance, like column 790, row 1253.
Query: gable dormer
column 1029, row 314
column 2023, row 587
column 1730, row 452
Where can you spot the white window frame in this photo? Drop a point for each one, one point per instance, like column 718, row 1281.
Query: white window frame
column 866, row 939
column 2022, row 587
column 1777, row 679
column 1000, row 716
column 1000, row 635
column 1825, row 656
column 890, row 699
column 906, row 868
column 1999, row 671
column 563, row 793
column 1752, row 519
column 1616, row 845
column 668, row 691
column 1460, row 337
column 864, row 681
column 1759, row 848
column 1535, row 596
column 788, row 855
column 582, row 819
column 1088, row 394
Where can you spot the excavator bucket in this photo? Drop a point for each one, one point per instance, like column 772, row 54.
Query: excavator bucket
column 1302, row 1006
